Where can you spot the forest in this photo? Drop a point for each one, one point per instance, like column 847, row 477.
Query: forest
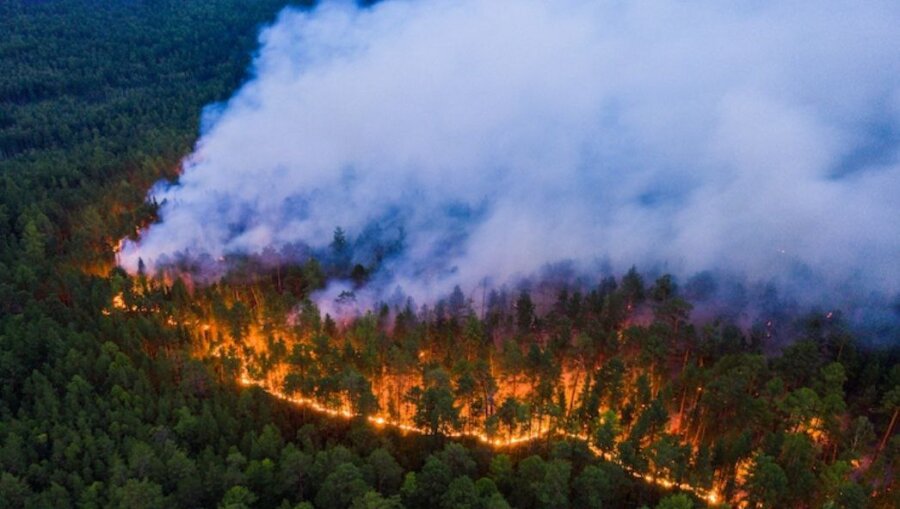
column 154, row 391
column 620, row 369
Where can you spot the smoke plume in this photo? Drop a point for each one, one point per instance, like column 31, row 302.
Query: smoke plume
column 459, row 141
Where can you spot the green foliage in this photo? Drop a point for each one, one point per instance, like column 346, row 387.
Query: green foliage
column 341, row 487
column 374, row 500
column 142, row 494
column 238, row 497
column 767, row 485
column 386, row 473
column 591, row 488
column 680, row 501
column 460, row 494
column 435, row 405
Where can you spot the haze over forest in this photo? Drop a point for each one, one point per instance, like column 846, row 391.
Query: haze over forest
column 475, row 143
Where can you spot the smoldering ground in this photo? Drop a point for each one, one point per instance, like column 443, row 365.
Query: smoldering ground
column 486, row 140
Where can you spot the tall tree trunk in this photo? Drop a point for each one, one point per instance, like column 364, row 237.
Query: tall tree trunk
column 887, row 434
column 568, row 411
column 697, row 435
column 681, row 420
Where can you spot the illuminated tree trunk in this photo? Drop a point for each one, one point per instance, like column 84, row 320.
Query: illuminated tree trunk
column 887, row 433
column 681, row 420
column 699, row 435
column 571, row 405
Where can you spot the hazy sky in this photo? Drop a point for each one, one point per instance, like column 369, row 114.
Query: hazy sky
column 755, row 137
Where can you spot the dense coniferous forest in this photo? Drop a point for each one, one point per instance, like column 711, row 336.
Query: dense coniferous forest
column 151, row 391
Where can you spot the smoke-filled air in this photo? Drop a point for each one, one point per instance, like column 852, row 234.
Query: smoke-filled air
column 465, row 142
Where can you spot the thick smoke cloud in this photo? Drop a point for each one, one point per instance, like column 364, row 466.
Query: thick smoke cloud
column 489, row 139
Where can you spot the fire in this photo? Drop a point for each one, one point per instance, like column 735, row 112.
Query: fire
column 256, row 341
column 384, row 422
column 118, row 302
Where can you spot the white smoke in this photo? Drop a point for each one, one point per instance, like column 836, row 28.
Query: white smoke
column 752, row 137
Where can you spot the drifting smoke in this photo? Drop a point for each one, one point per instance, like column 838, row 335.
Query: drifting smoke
column 489, row 139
